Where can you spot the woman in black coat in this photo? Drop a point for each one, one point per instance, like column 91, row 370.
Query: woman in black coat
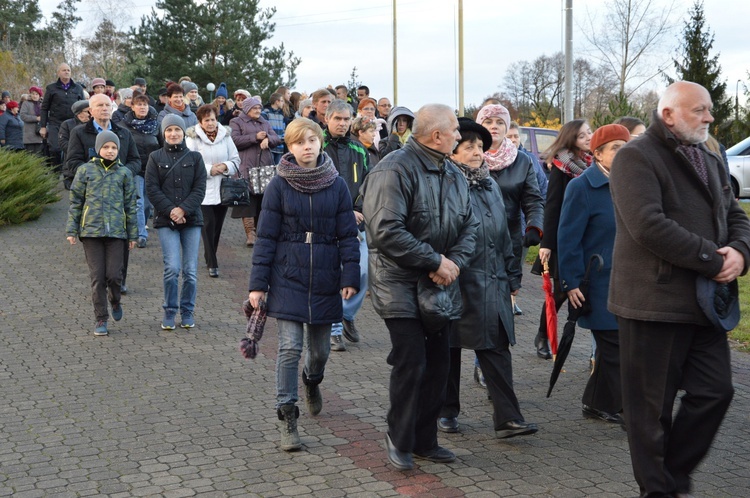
column 305, row 259
column 568, row 157
column 492, row 276
column 176, row 185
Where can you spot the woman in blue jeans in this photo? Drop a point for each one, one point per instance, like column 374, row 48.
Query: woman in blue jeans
column 176, row 185
column 306, row 258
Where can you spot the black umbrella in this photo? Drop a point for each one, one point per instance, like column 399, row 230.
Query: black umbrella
column 569, row 332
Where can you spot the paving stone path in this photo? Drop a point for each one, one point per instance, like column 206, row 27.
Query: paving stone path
column 146, row 412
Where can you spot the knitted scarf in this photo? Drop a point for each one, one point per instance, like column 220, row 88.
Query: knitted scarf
column 571, row 164
column 503, row 157
column 212, row 135
column 477, row 177
column 181, row 109
column 145, row 126
column 308, row 180
column 404, row 137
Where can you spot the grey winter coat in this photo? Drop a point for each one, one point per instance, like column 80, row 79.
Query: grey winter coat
column 414, row 212
column 29, row 119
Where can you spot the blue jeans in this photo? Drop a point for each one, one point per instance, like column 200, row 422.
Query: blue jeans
column 291, row 335
column 140, row 205
column 354, row 304
column 180, row 253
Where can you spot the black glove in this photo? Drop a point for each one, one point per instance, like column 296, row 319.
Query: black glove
column 531, row 238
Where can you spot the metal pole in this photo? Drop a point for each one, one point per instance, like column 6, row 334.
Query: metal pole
column 460, row 58
column 737, row 100
column 395, row 58
column 568, row 60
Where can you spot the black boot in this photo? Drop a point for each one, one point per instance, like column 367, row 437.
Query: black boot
column 542, row 347
column 313, row 398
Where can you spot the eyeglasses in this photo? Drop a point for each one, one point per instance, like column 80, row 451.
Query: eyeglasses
column 368, row 108
column 385, row 105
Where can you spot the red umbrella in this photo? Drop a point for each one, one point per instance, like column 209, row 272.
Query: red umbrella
column 550, row 310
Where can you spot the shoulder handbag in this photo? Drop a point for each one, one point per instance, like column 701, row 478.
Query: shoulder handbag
column 234, row 191
column 261, row 176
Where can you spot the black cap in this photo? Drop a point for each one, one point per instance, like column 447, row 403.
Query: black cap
column 139, row 82
column 162, row 91
column 110, row 83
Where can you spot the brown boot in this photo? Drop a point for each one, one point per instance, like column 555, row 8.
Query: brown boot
column 249, row 224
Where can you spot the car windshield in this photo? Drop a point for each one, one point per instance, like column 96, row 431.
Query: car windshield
column 740, row 149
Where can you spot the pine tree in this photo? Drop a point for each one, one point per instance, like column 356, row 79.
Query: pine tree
column 696, row 64
column 213, row 42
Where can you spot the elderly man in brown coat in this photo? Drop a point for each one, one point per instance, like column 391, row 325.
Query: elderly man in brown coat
column 677, row 223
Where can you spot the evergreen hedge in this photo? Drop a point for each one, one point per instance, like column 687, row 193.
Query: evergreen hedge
column 26, row 186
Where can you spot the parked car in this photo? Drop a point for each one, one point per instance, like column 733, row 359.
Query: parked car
column 739, row 168
column 537, row 140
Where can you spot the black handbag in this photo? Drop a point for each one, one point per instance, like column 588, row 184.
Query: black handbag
column 234, row 191
column 435, row 304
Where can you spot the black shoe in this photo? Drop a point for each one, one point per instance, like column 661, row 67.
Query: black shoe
column 515, row 428
column 213, row 272
column 438, row 455
column 399, row 459
column 517, row 310
column 542, row 348
column 351, row 333
column 448, row 424
column 479, row 377
column 613, row 418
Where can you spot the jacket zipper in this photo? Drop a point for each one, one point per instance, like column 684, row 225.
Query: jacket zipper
column 309, row 240
column 85, row 212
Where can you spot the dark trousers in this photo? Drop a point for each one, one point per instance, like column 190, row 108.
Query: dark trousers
column 420, row 362
column 125, row 261
column 104, row 257
column 603, row 390
column 497, row 368
column 213, row 221
column 55, row 154
column 657, row 359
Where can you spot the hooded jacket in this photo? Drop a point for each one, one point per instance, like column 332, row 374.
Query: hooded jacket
column 221, row 150
column 102, row 202
column 393, row 141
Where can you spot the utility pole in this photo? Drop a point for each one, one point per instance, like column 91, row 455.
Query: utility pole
column 568, row 115
column 395, row 58
column 460, row 58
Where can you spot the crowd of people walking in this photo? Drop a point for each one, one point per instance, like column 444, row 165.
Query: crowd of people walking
column 433, row 216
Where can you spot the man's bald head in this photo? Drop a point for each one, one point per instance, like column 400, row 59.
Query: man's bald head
column 100, row 108
column 63, row 72
column 685, row 109
column 436, row 126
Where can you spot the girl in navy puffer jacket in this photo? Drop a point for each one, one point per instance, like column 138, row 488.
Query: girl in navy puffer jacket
column 306, row 256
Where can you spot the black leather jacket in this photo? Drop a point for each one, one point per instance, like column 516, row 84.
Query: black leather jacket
column 414, row 212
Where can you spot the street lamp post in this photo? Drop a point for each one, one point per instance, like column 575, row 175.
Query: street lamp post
column 210, row 87
column 737, row 100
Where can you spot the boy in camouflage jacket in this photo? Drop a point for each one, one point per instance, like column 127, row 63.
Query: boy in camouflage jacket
column 102, row 213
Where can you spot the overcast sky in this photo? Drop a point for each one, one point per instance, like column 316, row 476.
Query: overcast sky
column 338, row 35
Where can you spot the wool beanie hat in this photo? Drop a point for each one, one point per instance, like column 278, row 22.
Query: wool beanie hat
column 494, row 111
column 139, row 82
column 125, row 93
column 222, row 91
column 188, row 86
column 98, row 82
column 172, row 120
column 37, row 90
column 608, row 133
column 104, row 137
column 250, row 103
column 79, row 106
column 12, row 104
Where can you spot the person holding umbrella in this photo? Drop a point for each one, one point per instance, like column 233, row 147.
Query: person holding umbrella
column 492, row 276
column 587, row 228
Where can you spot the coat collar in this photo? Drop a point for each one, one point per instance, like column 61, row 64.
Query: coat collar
column 595, row 177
